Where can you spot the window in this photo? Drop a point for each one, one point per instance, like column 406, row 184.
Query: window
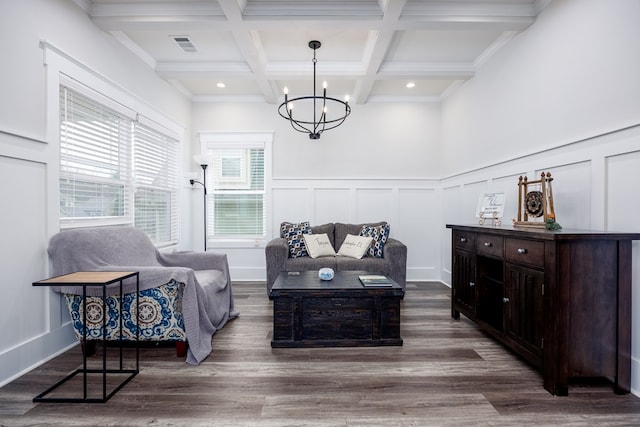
column 156, row 182
column 238, row 177
column 94, row 160
column 116, row 167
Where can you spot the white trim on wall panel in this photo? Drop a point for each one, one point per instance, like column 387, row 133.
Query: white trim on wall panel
column 577, row 150
column 23, row 147
column 22, row 136
column 35, row 352
column 355, row 182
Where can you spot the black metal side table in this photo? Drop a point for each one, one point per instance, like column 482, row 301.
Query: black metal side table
column 94, row 279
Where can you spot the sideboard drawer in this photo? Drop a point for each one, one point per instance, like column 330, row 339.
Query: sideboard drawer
column 464, row 240
column 521, row 251
column 489, row 245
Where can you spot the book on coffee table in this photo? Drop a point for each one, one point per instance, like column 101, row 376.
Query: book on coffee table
column 375, row 281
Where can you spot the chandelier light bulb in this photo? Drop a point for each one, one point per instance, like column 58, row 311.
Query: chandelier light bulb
column 324, row 84
column 286, row 90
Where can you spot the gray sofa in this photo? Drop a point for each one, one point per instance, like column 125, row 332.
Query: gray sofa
column 393, row 263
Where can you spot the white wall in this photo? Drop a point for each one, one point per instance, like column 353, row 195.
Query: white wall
column 377, row 140
column 570, row 76
column 564, row 97
column 546, row 102
column 357, row 172
column 34, row 320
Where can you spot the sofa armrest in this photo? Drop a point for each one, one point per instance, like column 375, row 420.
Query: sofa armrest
column 395, row 252
column 276, row 254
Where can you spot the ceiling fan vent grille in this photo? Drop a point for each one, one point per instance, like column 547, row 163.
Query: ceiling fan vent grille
column 185, row 43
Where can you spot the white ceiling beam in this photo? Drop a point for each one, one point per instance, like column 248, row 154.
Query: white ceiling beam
column 377, row 47
column 447, row 71
column 320, row 9
column 250, row 47
column 202, row 69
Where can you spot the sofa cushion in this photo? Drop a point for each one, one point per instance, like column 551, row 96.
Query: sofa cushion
column 325, row 228
column 368, row 264
column 307, row 263
column 380, row 234
column 341, row 231
column 355, row 246
column 292, row 233
column 318, row 245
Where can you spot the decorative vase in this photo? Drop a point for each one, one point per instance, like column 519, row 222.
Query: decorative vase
column 325, row 274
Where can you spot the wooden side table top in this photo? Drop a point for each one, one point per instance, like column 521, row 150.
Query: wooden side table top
column 87, row 278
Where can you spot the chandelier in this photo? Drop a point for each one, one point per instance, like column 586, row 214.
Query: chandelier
column 321, row 120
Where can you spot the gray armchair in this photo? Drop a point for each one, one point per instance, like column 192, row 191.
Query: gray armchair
column 204, row 297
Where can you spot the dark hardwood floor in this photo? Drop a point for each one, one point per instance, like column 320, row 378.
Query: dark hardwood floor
column 446, row 373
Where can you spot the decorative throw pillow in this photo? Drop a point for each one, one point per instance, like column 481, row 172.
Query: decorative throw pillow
column 355, row 246
column 318, row 245
column 380, row 234
column 293, row 235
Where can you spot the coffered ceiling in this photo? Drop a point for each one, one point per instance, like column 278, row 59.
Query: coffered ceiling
column 370, row 49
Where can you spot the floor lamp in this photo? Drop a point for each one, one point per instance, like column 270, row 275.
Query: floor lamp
column 203, row 165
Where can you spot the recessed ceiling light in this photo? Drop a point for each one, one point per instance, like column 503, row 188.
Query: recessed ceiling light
column 410, row 85
column 221, row 85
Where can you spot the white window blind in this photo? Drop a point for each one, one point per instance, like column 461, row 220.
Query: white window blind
column 94, row 160
column 236, row 202
column 156, row 182
column 114, row 169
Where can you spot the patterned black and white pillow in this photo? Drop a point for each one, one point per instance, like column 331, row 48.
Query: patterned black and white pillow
column 293, row 232
column 380, row 234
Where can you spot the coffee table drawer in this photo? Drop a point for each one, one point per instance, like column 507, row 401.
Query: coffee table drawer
column 337, row 318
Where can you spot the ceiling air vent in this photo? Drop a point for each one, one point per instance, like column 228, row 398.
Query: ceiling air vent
column 185, row 43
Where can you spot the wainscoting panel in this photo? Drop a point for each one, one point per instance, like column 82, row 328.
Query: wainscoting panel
column 35, row 322
column 623, row 190
column 375, row 204
column 418, row 227
column 290, row 204
column 331, row 205
column 22, row 223
column 571, row 188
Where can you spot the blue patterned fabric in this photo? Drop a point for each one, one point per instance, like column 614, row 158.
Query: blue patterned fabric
column 293, row 235
column 380, row 234
column 159, row 318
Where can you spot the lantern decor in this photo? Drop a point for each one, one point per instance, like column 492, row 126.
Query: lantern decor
column 535, row 203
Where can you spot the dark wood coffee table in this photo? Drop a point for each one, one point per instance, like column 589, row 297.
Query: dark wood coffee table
column 309, row 312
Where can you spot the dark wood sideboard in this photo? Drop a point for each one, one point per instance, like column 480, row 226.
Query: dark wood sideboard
column 560, row 299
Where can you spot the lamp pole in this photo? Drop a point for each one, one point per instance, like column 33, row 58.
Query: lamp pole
column 204, row 180
column 204, row 200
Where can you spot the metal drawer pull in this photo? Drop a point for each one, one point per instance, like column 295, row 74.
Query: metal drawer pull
column 463, row 240
column 487, row 244
column 471, row 284
column 505, row 300
column 522, row 251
